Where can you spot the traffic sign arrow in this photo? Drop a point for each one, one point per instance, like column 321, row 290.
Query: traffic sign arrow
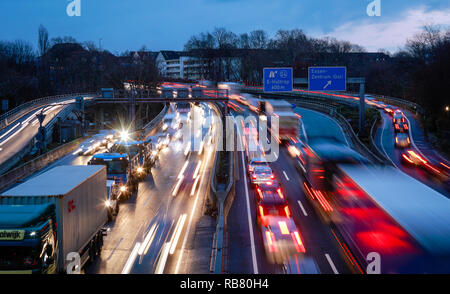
column 327, row 84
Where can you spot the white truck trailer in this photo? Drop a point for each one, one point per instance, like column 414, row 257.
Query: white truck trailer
column 53, row 223
column 288, row 121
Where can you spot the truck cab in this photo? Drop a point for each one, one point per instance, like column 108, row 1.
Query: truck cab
column 28, row 239
column 116, row 169
column 136, row 151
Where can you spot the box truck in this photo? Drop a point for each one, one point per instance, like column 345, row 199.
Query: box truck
column 54, row 222
column 288, row 121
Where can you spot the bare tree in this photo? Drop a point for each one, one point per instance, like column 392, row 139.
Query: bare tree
column 43, row 41
column 258, row 39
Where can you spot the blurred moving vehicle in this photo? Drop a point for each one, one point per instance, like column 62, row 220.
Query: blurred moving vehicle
column 389, row 110
column 367, row 205
column 414, row 158
column 171, row 120
column 297, row 150
column 256, row 161
column 271, row 202
column 402, row 140
column 282, row 239
column 261, row 174
column 399, row 121
column 50, row 217
column 233, row 89
column 88, row 147
column 288, row 122
column 112, row 201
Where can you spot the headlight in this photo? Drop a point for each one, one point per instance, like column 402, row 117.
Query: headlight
column 140, row 169
column 124, row 136
column 123, row 188
column 108, row 203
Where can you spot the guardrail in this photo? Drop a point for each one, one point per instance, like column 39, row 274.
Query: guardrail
column 11, row 116
column 5, row 166
column 155, row 121
column 374, row 146
column 306, row 96
column 36, row 164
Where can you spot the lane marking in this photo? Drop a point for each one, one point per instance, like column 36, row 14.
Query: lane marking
column 381, row 142
column 285, row 175
column 333, row 267
column 302, row 208
column 249, row 219
column 192, row 211
column 131, row 259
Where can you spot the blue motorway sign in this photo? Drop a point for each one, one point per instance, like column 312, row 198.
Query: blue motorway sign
column 278, row 79
column 327, row 78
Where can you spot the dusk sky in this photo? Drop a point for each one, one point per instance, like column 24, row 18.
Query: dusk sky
column 167, row 25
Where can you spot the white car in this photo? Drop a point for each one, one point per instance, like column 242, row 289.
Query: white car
column 254, row 162
column 88, row 147
column 261, row 175
column 282, row 239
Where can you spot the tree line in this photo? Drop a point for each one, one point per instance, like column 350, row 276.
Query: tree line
column 62, row 65
column 418, row 72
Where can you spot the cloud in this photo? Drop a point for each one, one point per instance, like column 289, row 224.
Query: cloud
column 374, row 34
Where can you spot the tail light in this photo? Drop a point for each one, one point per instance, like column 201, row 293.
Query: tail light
column 254, row 177
column 298, row 242
column 261, row 211
column 260, row 193
column 272, row 176
column 279, row 193
column 288, row 212
column 283, row 228
column 270, row 241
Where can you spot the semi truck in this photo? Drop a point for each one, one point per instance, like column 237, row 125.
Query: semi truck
column 288, row 121
column 378, row 209
column 54, row 222
column 127, row 164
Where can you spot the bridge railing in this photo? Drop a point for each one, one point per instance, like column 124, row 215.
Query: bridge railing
column 11, row 116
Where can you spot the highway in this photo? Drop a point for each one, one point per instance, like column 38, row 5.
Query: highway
column 17, row 135
column 148, row 219
column 175, row 190
column 246, row 250
column 163, row 229
column 384, row 139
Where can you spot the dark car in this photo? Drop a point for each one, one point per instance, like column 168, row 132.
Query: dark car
column 271, row 202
